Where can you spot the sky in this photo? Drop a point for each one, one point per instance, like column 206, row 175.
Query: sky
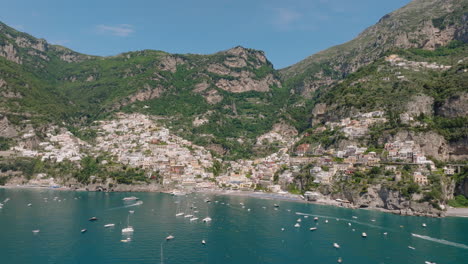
column 287, row 31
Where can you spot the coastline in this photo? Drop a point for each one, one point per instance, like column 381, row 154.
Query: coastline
column 451, row 212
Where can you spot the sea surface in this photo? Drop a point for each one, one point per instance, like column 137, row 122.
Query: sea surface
column 235, row 234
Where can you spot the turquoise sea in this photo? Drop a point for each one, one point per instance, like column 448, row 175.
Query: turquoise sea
column 235, row 234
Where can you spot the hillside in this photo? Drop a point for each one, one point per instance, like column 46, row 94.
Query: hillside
column 223, row 101
column 425, row 24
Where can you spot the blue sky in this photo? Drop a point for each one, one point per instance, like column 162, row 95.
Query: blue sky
column 288, row 31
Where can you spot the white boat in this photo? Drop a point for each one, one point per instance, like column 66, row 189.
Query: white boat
column 276, row 205
column 349, row 224
column 364, row 234
column 179, row 214
column 131, row 198
column 299, row 220
column 29, row 204
column 306, row 216
column 188, row 216
column 326, row 221
column 355, row 217
column 207, row 219
column 385, row 233
column 315, row 218
column 335, row 245
column 297, row 225
column 424, row 225
column 169, row 237
column 410, row 247
column 126, row 240
column 128, row 229
column 203, row 242
column 36, row 231
column 282, row 229
column 83, row 230
column 313, row 228
column 131, row 211
column 193, row 219
column 340, row 260
column 429, row 262
column 138, row 203
column 109, row 225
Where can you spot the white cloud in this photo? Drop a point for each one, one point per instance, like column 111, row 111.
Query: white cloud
column 122, row 30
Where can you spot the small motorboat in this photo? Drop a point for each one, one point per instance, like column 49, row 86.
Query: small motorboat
column 83, row 230
column 203, row 242
column 169, row 237
column 131, row 198
column 282, row 229
column 126, row 240
column 410, row 247
column 36, row 231
column 193, row 219
column 92, row 219
column 109, row 225
column 313, row 228
column 355, row 217
column 131, row 211
column 179, row 214
column 306, row 216
column 385, row 233
column 326, row 221
column 349, row 224
column 340, row 260
column 297, row 225
column 299, row 220
column 429, row 262
column 335, row 245
column 188, row 216
column 424, row 225
column 364, row 234
column 276, row 205
column 29, row 204
column 207, row 219
column 127, row 230
column 315, row 218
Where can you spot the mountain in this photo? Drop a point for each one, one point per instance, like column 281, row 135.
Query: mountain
column 424, row 24
column 224, row 100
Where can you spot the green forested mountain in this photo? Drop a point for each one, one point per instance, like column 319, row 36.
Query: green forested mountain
column 226, row 100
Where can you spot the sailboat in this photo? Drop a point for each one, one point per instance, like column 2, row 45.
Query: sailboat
column 128, row 229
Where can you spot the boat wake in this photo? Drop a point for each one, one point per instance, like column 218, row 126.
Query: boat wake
column 126, row 206
column 441, row 241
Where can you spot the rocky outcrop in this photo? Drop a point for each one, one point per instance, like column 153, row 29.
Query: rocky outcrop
column 246, row 83
column 6, row 128
column 145, row 94
column 9, row 52
column 169, row 63
column 420, row 104
column 455, row 106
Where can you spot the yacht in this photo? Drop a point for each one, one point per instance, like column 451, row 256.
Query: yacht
column 364, row 234
column 131, row 198
column 109, row 225
column 313, row 228
column 128, row 229
column 335, row 245
column 169, row 237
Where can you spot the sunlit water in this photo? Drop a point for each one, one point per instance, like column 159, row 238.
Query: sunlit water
column 235, row 235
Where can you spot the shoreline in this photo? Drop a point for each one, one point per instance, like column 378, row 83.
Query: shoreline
column 451, row 212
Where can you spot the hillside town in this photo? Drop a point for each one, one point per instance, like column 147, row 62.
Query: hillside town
column 138, row 141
